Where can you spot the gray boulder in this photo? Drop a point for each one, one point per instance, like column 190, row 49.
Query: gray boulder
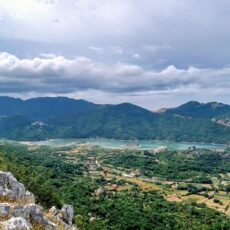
column 18, row 223
column 29, row 197
column 66, row 214
column 10, row 188
column 33, row 214
column 5, row 210
column 54, row 211
column 23, row 213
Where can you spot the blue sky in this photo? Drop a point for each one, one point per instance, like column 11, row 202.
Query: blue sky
column 149, row 52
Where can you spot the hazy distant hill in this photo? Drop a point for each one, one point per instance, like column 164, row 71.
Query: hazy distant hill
column 42, row 108
column 200, row 110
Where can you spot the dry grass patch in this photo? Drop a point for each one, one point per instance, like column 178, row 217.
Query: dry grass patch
column 142, row 184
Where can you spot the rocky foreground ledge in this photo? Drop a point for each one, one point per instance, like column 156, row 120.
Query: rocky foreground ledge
column 18, row 210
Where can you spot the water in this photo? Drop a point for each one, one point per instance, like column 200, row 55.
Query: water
column 118, row 144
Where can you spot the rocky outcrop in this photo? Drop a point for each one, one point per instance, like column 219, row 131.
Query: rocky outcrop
column 16, row 223
column 65, row 215
column 10, row 188
column 19, row 211
column 33, row 213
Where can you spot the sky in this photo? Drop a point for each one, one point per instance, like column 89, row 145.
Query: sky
column 154, row 53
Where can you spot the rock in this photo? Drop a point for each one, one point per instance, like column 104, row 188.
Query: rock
column 23, row 214
column 66, row 214
column 6, row 193
column 54, row 211
column 33, row 214
column 5, row 210
column 36, row 216
column 18, row 223
column 29, row 197
column 10, row 188
column 20, row 211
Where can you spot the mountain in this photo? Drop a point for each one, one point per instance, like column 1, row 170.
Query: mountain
column 124, row 121
column 43, row 118
column 10, row 106
column 42, row 108
column 128, row 121
column 22, row 128
column 200, row 110
column 223, row 120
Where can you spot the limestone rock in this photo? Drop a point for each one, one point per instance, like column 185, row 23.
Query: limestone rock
column 33, row 214
column 5, row 210
column 18, row 223
column 66, row 214
column 22, row 213
column 10, row 188
column 54, row 211
column 29, row 197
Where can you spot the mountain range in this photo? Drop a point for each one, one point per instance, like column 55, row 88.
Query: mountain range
column 60, row 117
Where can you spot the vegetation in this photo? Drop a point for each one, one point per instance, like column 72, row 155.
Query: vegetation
column 127, row 121
column 62, row 175
column 201, row 110
column 81, row 119
column 197, row 165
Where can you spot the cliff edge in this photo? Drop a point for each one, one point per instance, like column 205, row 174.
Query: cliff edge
column 18, row 210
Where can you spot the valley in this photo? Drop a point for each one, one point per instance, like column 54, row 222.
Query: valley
column 114, row 115
column 121, row 165
column 170, row 188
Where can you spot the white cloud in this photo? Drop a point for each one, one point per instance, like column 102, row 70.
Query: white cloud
column 57, row 74
column 181, row 32
column 48, row 55
column 136, row 56
column 166, row 38
column 96, row 49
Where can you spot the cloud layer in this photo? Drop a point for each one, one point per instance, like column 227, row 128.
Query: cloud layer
column 56, row 74
column 163, row 52
column 159, row 33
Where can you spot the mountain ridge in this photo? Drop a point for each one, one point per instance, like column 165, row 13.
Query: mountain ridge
column 192, row 122
column 41, row 108
column 200, row 110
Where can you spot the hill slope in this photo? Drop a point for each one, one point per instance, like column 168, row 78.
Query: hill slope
column 200, row 110
column 69, row 118
column 42, row 108
column 127, row 121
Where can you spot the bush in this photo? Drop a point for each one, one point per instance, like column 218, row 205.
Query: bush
column 215, row 200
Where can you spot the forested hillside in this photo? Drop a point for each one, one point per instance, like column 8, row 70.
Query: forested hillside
column 58, row 176
column 45, row 118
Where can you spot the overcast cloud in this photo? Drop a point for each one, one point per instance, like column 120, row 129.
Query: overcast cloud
column 152, row 53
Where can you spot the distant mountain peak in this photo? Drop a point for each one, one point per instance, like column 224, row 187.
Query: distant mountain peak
column 42, row 108
column 200, row 110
